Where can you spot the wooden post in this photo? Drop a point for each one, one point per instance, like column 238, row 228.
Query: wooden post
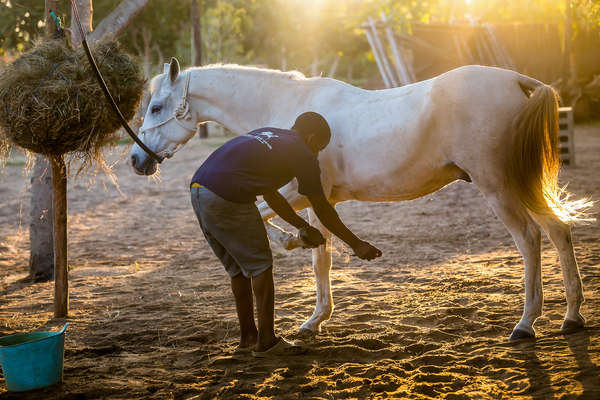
column 59, row 202
column 59, row 205
column 401, row 67
column 382, row 53
column 566, row 136
column 386, row 79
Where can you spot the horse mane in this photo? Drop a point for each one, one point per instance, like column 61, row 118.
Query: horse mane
column 292, row 75
column 287, row 75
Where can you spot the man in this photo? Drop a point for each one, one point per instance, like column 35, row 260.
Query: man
column 224, row 191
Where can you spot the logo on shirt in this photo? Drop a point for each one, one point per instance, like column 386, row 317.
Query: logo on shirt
column 264, row 137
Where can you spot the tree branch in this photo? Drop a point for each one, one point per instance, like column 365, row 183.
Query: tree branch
column 111, row 26
column 86, row 12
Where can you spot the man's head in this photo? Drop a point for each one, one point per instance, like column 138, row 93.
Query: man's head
column 313, row 129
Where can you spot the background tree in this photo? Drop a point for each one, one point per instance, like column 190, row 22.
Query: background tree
column 20, row 23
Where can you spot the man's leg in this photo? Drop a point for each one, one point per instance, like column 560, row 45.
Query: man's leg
column 264, row 291
column 242, row 290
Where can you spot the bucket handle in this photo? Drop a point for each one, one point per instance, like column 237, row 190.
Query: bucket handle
column 64, row 328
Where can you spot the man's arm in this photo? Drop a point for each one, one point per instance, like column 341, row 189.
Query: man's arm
column 279, row 204
column 331, row 220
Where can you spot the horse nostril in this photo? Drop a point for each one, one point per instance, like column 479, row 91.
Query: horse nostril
column 133, row 161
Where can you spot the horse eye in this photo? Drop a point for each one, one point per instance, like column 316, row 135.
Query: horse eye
column 155, row 109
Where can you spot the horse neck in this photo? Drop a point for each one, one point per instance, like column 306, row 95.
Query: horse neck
column 243, row 100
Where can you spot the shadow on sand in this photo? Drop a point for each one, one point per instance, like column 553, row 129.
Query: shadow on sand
column 588, row 372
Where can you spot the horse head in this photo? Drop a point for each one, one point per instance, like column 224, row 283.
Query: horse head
column 168, row 122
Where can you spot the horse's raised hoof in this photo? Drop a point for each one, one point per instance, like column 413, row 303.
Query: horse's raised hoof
column 519, row 334
column 569, row 325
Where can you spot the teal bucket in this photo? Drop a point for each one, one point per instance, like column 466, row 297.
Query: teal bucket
column 32, row 360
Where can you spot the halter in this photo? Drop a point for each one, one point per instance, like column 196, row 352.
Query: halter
column 181, row 113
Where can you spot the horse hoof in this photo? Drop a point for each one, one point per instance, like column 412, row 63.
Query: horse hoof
column 570, row 326
column 518, row 334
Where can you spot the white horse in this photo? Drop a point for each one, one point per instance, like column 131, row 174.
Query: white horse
column 493, row 127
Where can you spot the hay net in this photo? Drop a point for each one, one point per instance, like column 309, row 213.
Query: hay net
column 51, row 103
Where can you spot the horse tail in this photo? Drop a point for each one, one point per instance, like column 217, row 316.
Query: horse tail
column 533, row 159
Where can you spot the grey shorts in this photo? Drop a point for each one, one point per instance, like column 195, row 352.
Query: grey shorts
column 235, row 231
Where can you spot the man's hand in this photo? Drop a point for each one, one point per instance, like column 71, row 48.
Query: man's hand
column 311, row 237
column 365, row 251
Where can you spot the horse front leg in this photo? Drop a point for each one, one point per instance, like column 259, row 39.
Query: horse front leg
column 321, row 258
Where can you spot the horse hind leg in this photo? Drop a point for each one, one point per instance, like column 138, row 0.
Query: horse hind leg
column 527, row 237
column 560, row 235
column 321, row 258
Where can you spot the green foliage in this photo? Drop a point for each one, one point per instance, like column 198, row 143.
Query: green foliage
column 587, row 12
column 161, row 29
column 224, row 26
column 20, row 23
column 518, row 10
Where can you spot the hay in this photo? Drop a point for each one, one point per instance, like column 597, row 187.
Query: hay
column 51, row 103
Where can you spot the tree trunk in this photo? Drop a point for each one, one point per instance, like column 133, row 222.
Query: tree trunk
column 566, row 72
column 50, row 25
column 197, row 50
column 196, row 34
column 116, row 22
column 86, row 14
column 334, row 66
column 41, row 256
column 147, row 42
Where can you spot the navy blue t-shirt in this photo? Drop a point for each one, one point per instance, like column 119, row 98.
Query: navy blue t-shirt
column 260, row 162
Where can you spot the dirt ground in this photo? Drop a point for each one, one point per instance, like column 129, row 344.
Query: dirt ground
column 152, row 317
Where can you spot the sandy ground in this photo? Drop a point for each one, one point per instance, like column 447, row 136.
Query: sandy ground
column 152, row 316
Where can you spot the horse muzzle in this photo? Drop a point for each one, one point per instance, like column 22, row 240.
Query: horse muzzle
column 146, row 167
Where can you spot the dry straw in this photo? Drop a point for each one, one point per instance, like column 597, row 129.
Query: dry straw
column 50, row 102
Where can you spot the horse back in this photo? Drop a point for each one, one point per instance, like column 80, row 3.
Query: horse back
column 406, row 142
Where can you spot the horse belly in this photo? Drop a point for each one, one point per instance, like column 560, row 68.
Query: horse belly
column 399, row 184
column 395, row 149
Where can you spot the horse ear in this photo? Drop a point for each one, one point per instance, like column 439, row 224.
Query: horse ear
column 173, row 69
column 166, row 68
